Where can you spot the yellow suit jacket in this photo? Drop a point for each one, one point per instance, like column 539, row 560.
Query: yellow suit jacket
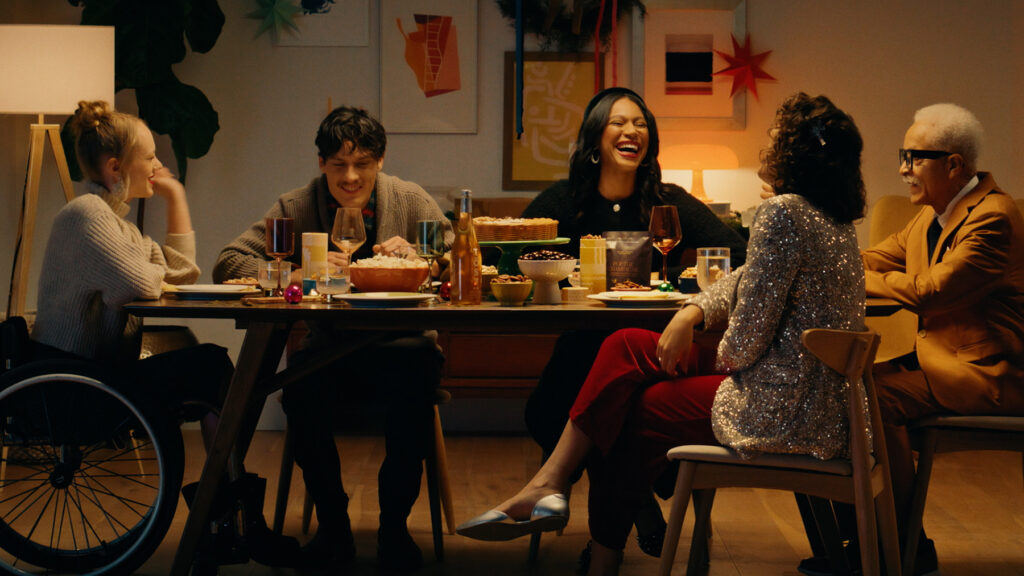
column 969, row 296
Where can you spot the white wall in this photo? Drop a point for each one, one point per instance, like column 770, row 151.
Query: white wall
column 878, row 59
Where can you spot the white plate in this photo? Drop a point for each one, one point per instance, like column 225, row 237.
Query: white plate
column 211, row 291
column 652, row 299
column 384, row 299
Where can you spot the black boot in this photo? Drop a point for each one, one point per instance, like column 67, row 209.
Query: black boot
column 266, row 547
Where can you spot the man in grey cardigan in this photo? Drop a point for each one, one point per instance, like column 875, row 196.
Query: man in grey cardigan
column 351, row 146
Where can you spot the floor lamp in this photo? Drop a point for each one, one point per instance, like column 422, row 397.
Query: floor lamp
column 48, row 70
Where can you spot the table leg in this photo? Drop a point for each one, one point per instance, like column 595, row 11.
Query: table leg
column 249, row 368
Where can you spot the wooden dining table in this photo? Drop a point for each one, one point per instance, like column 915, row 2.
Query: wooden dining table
column 267, row 326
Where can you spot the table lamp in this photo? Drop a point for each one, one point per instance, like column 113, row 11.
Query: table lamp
column 48, row 70
column 698, row 158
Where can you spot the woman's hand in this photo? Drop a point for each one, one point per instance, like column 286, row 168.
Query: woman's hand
column 677, row 338
column 396, row 246
column 166, row 185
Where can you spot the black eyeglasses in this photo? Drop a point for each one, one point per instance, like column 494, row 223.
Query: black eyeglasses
column 907, row 155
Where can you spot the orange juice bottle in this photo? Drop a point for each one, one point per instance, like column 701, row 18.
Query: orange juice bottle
column 466, row 263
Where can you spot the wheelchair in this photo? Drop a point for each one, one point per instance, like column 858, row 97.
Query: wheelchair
column 90, row 469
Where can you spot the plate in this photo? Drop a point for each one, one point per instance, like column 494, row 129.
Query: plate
column 384, row 299
column 652, row 299
column 211, row 291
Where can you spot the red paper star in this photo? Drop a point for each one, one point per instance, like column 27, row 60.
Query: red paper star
column 744, row 68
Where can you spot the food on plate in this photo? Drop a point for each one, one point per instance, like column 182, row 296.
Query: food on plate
column 645, row 295
column 630, row 286
column 247, row 280
column 511, row 229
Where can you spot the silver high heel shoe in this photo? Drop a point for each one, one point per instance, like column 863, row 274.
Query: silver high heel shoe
column 549, row 513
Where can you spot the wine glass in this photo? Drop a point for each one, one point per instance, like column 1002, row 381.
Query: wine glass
column 280, row 238
column 429, row 245
column 665, row 233
column 348, row 232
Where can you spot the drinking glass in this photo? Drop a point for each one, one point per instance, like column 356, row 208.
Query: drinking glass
column 712, row 265
column 429, row 245
column 331, row 281
column 665, row 233
column 348, row 233
column 280, row 243
column 270, row 273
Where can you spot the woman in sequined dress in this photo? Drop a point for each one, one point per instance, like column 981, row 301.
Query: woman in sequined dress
column 803, row 271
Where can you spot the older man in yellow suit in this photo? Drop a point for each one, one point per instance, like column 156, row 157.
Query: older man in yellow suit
column 958, row 264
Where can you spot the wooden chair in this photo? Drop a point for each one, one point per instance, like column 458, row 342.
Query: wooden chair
column 862, row 480
column 439, row 490
column 889, row 215
column 938, row 434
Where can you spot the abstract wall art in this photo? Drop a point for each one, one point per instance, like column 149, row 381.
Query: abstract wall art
column 428, row 66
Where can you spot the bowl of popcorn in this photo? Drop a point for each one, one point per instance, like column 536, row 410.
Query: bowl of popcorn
column 547, row 268
column 511, row 290
column 388, row 274
column 688, row 281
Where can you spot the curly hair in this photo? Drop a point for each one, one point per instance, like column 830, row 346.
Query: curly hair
column 101, row 132
column 348, row 124
column 584, row 174
column 815, row 152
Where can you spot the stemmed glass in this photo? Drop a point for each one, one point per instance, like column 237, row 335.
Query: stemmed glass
column 665, row 233
column 429, row 245
column 280, row 239
column 348, row 234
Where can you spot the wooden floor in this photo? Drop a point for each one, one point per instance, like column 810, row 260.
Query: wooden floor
column 975, row 515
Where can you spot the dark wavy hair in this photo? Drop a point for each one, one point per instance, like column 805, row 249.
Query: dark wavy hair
column 349, row 124
column 815, row 152
column 584, row 174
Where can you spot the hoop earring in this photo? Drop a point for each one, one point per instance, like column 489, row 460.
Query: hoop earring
column 595, row 158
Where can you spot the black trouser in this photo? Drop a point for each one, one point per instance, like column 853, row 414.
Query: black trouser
column 403, row 374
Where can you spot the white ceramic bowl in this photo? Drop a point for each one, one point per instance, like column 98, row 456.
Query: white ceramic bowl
column 547, row 274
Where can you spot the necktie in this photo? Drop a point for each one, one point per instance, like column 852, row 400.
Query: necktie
column 934, row 231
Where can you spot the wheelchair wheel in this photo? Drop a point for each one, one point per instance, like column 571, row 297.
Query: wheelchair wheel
column 89, row 474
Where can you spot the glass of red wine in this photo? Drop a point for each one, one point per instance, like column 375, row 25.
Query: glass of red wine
column 280, row 243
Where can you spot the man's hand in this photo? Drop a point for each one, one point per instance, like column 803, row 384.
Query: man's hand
column 396, row 246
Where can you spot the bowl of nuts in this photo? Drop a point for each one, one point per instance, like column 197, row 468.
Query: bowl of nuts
column 547, row 268
column 511, row 290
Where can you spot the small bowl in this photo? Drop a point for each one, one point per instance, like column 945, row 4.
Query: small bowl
column 368, row 279
column 547, row 274
column 485, row 283
column 688, row 285
column 511, row 293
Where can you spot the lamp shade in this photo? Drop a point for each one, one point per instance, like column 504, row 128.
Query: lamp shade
column 698, row 157
column 49, row 69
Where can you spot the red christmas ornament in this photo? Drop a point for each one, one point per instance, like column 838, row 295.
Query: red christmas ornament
column 445, row 291
column 744, row 68
column 293, row 293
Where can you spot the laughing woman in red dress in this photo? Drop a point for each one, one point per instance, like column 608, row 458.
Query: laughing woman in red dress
column 803, row 271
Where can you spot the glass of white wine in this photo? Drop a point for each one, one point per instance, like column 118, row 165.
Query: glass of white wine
column 429, row 245
column 348, row 234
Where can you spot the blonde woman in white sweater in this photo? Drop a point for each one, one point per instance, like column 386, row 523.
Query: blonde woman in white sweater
column 96, row 261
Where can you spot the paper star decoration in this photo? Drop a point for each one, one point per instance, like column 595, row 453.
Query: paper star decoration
column 744, row 68
column 276, row 16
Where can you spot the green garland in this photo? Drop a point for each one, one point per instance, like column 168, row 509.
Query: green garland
column 560, row 34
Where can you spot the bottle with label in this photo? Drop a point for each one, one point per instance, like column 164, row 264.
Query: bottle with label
column 466, row 263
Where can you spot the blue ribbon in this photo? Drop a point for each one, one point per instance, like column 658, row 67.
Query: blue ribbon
column 519, row 68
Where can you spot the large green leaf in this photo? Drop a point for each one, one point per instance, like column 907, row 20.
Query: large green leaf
column 203, row 23
column 183, row 112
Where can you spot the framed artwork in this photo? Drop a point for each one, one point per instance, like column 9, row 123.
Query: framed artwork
column 328, row 23
column 556, row 89
column 428, row 66
column 678, row 60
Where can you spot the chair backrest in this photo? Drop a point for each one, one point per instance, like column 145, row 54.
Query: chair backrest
column 15, row 346
column 852, row 354
column 889, row 214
